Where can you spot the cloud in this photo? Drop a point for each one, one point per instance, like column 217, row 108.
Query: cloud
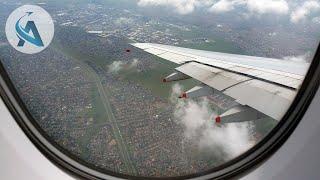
column 301, row 13
column 117, row 66
column 232, row 139
column 316, row 20
column 304, row 58
column 196, row 118
column 221, row 6
column 134, row 63
column 268, row 6
column 181, row 6
column 253, row 6
column 225, row 6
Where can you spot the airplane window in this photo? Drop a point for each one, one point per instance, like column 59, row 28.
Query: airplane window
column 155, row 88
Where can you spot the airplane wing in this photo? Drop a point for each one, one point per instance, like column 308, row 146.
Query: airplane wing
column 261, row 86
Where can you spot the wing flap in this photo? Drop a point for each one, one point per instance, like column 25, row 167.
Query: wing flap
column 267, row 98
column 283, row 78
column 270, row 99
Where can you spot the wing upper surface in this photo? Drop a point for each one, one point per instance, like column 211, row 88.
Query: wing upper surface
column 209, row 57
column 265, row 84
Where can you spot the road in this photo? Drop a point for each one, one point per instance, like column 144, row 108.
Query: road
column 111, row 118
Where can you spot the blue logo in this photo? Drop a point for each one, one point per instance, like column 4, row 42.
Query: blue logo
column 24, row 33
column 29, row 29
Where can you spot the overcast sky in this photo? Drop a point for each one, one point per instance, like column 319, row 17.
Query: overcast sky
column 295, row 11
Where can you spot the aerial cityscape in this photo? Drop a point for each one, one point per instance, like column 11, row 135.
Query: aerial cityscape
column 102, row 100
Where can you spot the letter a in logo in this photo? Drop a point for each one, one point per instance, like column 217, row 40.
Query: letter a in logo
column 23, row 33
column 30, row 29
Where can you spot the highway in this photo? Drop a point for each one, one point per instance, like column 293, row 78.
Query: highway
column 122, row 146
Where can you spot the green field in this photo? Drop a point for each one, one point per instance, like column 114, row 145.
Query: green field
column 216, row 43
column 216, row 46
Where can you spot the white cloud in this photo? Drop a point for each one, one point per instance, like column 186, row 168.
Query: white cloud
column 231, row 139
column 316, row 20
column 253, row 6
column 181, row 6
column 272, row 34
column 268, row 6
column 301, row 13
column 307, row 57
column 225, row 6
column 196, row 118
column 117, row 66
column 134, row 63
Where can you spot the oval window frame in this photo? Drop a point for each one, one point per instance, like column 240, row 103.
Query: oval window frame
column 238, row 166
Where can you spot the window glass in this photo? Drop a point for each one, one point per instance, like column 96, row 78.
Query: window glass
column 88, row 79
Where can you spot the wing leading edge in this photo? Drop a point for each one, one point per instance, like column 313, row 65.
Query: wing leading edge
column 258, row 85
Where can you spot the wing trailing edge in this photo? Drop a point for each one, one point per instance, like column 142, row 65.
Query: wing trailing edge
column 259, row 85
